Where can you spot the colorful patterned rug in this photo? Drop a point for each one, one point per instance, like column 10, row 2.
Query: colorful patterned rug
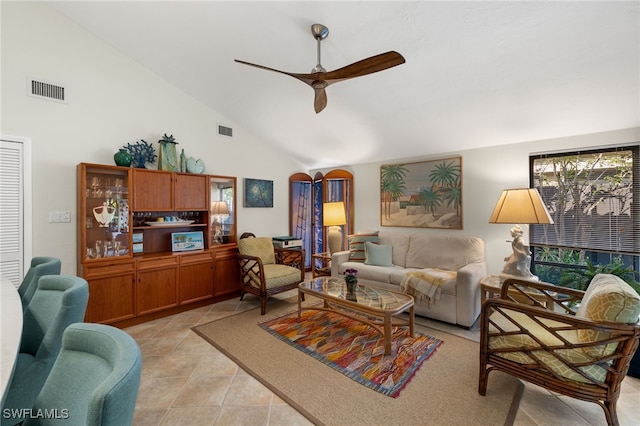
column 356, row 349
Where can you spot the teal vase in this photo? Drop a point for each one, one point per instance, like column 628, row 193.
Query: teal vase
column 122, row 158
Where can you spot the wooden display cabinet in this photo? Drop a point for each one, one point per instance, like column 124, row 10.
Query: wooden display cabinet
column 141, row 278
column 104, row 242
column 103, row 212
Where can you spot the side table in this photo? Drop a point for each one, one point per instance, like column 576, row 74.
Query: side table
column 324, row 261
column 491, row 286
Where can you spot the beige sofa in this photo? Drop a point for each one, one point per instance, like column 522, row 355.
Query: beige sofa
column 459, row 302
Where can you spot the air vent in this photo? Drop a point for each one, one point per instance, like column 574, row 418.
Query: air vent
column 225, row 131
column 46, row 90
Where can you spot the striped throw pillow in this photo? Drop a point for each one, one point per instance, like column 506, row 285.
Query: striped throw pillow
column 356, row 245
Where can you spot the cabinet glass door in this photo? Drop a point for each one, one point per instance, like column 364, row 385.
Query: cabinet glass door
column 105, row 211
column 223, row 209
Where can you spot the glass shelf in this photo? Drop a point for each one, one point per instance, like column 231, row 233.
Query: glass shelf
column 105, row 212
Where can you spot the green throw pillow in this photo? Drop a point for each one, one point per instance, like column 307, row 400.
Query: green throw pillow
column 356, row 245
column 378, row 255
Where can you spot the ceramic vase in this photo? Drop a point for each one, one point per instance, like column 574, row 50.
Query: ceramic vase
column 183, row 162
column 122, row 158
column 168, row 157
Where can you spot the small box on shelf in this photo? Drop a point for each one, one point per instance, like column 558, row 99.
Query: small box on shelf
column 286, row 242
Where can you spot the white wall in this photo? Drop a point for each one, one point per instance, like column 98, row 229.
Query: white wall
column 112, row 101
column 485, row 172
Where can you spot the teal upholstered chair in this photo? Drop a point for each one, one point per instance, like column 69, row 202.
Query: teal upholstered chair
column 95, row 378
column 39, row 266
column 58, row 302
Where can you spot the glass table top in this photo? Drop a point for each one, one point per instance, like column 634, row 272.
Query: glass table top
column 365, row 295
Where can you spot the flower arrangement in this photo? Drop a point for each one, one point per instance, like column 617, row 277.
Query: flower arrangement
column 351, row 276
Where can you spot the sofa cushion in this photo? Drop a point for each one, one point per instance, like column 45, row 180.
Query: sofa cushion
column 378, row 254
column 608, row 298
column 356, row 245
column 400, row 242
column 447, row 252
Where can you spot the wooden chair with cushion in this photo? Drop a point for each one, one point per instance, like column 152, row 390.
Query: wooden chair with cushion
column 584, row 353
column 265, row 270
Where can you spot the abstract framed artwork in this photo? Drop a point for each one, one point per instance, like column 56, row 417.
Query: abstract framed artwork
column 426, row 194
column 258, row 193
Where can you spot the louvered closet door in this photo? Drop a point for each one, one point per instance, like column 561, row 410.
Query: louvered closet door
column 12, row 210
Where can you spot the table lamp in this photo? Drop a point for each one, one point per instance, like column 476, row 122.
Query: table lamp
column 218, row 209
column 334, row 217
column 520, row 206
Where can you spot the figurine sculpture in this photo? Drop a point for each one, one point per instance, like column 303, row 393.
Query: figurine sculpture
column 518, row 262
column 104, row 214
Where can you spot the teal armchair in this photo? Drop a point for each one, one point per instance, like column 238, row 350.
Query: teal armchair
column 40, row 266
column 96, row 378
column 57, row 302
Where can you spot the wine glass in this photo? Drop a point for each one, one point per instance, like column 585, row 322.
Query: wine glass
column 99, row 248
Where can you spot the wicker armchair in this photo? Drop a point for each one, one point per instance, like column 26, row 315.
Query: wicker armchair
column 265, row 270
column 584, row 354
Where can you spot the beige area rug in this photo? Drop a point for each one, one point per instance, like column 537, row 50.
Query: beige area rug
column 443, row 392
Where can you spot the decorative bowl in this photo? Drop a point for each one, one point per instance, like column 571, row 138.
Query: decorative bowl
column 195, row 166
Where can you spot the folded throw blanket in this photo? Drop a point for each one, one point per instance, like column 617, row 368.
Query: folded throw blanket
column 425, row 285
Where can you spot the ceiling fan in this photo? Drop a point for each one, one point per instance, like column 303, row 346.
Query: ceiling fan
column 319, row 78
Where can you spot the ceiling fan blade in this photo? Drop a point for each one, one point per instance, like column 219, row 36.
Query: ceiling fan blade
column 370, row 65
column 320, row 101
column 320, row 80
column 305, row 78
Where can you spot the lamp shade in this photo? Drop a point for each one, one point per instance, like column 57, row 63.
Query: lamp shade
column 523, row 205
column 219, row 207
column 333, row 214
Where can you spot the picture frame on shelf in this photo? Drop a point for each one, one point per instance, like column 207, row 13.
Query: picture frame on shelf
column 187, row 241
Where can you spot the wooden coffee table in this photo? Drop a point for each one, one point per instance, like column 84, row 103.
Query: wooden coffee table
column 363, row 304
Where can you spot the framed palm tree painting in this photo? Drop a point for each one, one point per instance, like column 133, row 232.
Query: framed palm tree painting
column 426, row 194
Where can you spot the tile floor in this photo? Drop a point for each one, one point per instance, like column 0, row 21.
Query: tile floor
column 186, row 381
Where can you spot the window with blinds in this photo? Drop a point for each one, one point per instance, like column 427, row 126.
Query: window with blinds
column 594, row 199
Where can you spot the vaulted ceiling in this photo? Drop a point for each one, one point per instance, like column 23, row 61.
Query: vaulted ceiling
column 477, row 73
